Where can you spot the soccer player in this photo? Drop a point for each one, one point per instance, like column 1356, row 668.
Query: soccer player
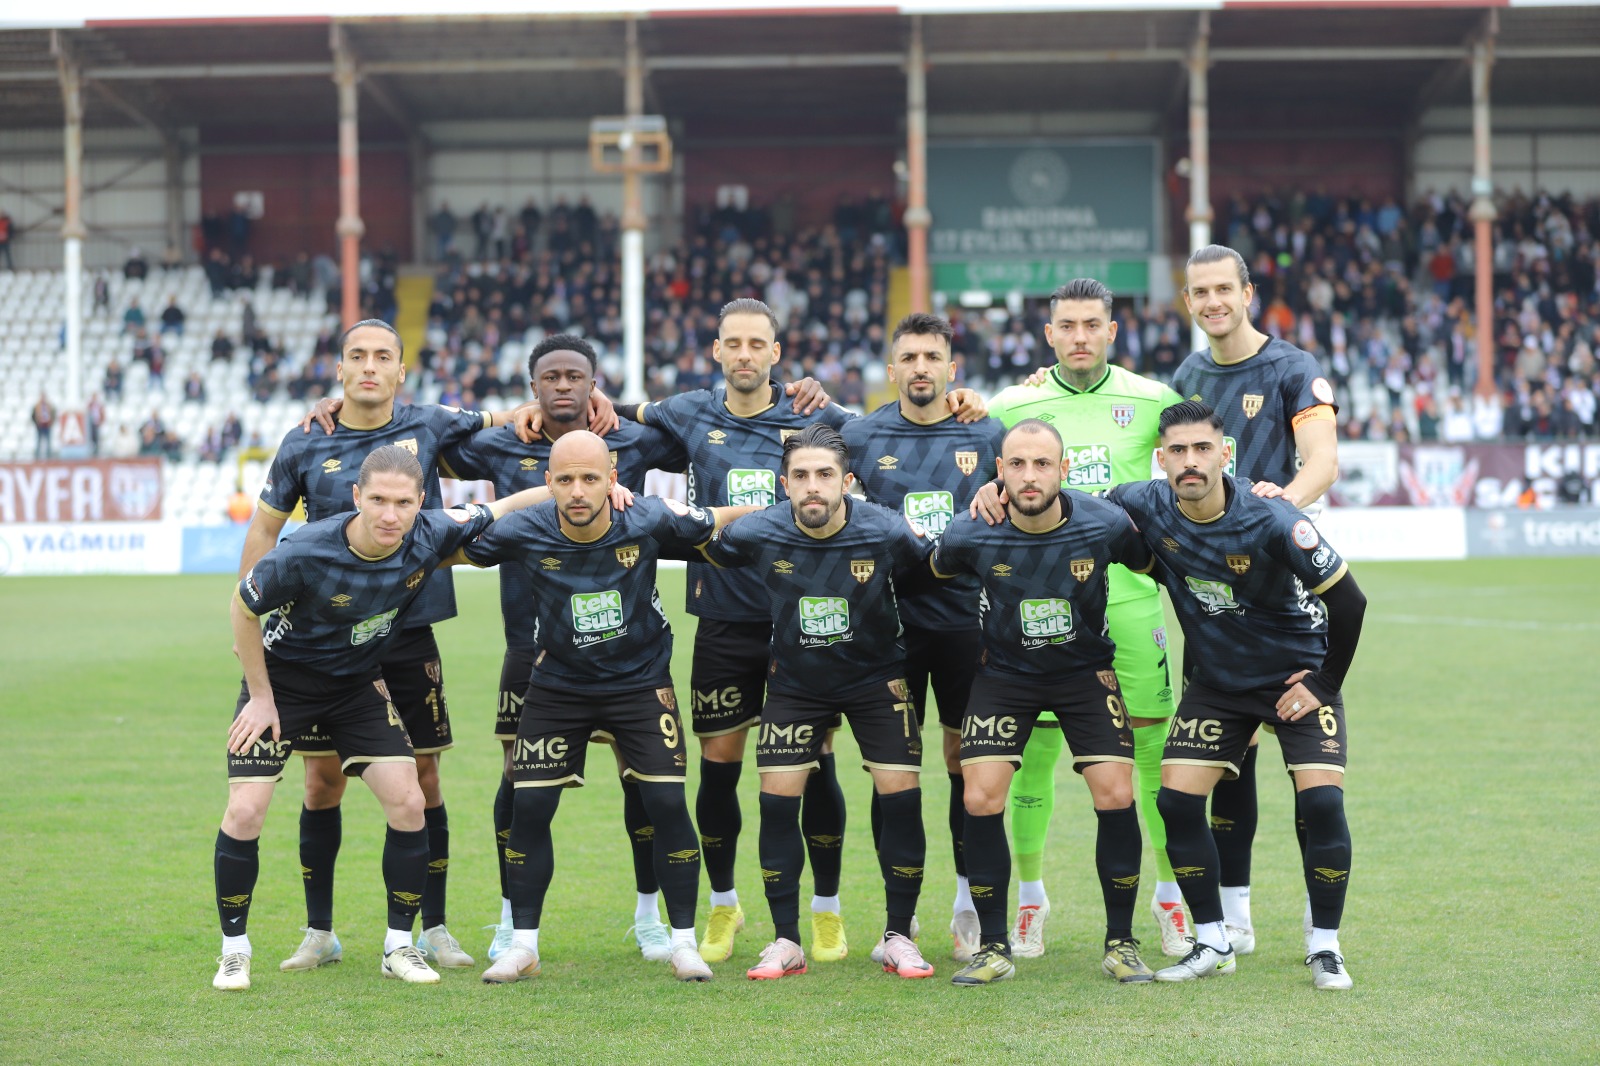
column 1044, row 575
column 734, row 437
column 825, row 564
column 561, row 370
column 913, row 456
column 1278, row 417
column 603, row 662
column 320, row 469
column 1107, row 416
column 1273, row 616
column 335, row 596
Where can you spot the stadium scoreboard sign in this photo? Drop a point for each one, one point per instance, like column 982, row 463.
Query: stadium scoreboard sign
column 1030, row 217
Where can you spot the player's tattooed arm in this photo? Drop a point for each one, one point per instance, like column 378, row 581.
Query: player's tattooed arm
column 260, row 714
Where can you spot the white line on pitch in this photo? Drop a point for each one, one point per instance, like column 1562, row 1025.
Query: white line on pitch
column 1481, row 623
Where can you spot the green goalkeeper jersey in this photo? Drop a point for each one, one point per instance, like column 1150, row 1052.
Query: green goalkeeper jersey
column 1111, row 434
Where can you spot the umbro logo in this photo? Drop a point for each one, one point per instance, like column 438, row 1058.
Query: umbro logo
column 340, row 600
column 907, row 871
column 1220, row 823
column 707, row 842
column 516, row 854
column 439, row 866
column 332, row 466
column 1001, row 570
column 1188, row 871
column 237, row 901
column 408, row 898
column 887, row 462
column 825, row 840
column 783, row 566
column 1332, row 876
column 981, row 891
column 1131, row 881
column 550, row 563
column 530, row 464
column 685, row 855
column 769, row 875
column 716, row 436
column 645, row 832
column 1169, row 544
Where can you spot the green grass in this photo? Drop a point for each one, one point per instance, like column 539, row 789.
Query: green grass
column 1472, row 799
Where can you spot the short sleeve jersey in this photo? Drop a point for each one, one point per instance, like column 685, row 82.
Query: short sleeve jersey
column 1258, row 400
column 499, row 456
column 1111, row 431
column 331, row 609
column 321, row 468
column 1044, row 594
column 929, row 473
column 1244, row 585
column 734, row 461
column 835, row 622
column 597, row 621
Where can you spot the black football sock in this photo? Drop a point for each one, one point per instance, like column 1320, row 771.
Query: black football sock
column 235, row 867
column 1327, row 853
column 502, row 831
column 716, row 812
column 438, row 825
column 641, row 838
column 958, row 822
column 875, row 814
column 1192, row 852
column 321, row 832
column 822, row 821
column 904, row 851
column 988, row 872
column 676, row 851
column 530, row 857
column 405, row 874
column 783, row 856
column 1118, row 849
column 1233, row 822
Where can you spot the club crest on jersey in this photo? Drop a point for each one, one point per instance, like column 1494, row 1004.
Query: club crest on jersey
column 409, row 444
column 1081, row 569
column 785, row 434
column 1252, row 404
column 1239, row 564
column 668, row 698
column 629, row 555
column 861, row 569
column 1122, row 414
column 1108, row 678
column 416, row 579
column 434, row 671
column 966, row 462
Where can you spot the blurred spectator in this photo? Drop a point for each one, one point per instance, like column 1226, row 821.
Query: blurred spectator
column 94, row 416
column 44, row 417
column 172, row 317
column 111, row 384
column 194, row 388
column 137, row 266
column 221, row 348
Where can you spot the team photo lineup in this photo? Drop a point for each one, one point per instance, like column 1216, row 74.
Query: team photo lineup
column 1002, row 558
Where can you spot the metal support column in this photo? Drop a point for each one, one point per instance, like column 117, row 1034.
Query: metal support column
column 917, row 217
column 172, row 153
column 1483, row 214
column 418, row 151
column 72, row 228
column 633, row 223
column 1199, row 212
column 349, row 227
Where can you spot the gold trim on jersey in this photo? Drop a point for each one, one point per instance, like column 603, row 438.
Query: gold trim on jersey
column 434, row 751
column 1014, row 760
column 632, row 775
column 867, row 764
column 1076, row 759
column 256, row 780
column 1344, row 568
column 570, row 781
column 1291, row 767
column 271, row 510
column 246, row 606
column 369, row 429
column 814, row 764
column 369, row 760
column 329, row 753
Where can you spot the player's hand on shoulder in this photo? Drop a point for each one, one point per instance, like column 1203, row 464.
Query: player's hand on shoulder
column 258, row 717
column 966, row 405
column 528, row 420
column 603, row 417
column 1037, row 378
column 989, row 504
column 621, row 496
column 324, row 414
column 1268, row 491
column 809, row 395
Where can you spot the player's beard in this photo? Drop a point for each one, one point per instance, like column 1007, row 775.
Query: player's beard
column 922, row 400
column 1046, row 498
column 807, row 517
column 579, row 521
column 755, row 384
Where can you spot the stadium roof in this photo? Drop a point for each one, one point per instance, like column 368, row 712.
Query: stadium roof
column 824, row 69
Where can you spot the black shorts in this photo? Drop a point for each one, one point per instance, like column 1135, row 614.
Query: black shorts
column 354, row 714
column 728, row 677
column 1002, row 714
column 1213, row 728
column 557, row 724
column 794, row 727
column 515, row 671
column 948, row 658
column 416, row 685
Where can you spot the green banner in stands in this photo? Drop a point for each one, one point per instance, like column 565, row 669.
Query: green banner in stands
column 1027, row 217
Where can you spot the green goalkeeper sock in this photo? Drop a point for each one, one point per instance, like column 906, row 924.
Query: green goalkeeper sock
column 1033, row 800
column 1149, row 741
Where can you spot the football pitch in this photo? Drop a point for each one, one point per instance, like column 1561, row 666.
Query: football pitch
column 1473, row 803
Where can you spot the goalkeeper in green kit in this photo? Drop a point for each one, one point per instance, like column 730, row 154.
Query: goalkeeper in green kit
column 1107, row 418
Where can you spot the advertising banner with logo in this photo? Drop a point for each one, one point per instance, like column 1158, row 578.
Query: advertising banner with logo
column 89, row 490
column 1567, row 531
column 91, row 548
column 1030, row 217
column 1464, row 475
